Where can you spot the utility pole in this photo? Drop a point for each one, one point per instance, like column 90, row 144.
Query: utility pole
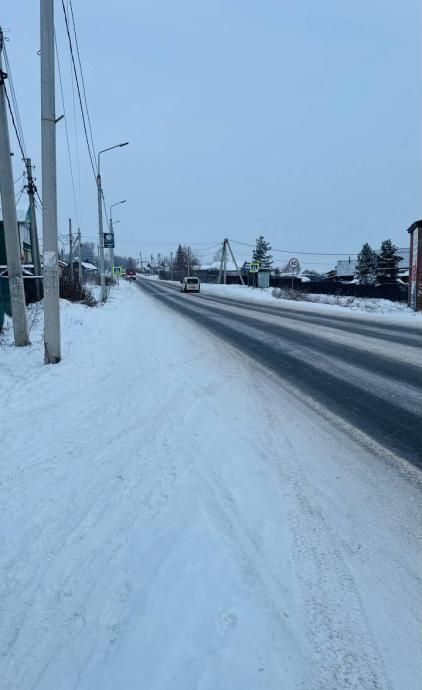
column 111, row 252
column 220, row 273
column 235, row 262
column 188, row 261
column 10, row 223
column 71, row 251
column 171, row 265
column 80, row 256
column 225, row 261
column 31, row 189
column 100, row 234
column 100, row 218
column 49, row 186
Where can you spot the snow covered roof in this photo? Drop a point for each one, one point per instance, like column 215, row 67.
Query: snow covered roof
column 20, row 214
column 215, row 265
column 85, row 264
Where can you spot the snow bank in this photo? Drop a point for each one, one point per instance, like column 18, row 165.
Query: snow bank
column 323, row 303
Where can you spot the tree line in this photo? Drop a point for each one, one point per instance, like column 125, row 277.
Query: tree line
column 378, row 268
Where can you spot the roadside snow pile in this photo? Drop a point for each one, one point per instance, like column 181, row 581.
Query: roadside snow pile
column 381, row 306
column 310, row 302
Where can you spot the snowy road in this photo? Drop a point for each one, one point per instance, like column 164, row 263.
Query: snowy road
column 366, row 372
column 174, row 518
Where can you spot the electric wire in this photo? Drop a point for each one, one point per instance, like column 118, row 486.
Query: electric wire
column 66, row 129
column 14, row 122
column 79, row 91
column 289, row 251
column 18, row 127
column 82, row 76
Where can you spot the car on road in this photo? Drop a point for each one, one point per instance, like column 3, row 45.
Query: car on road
column 190, row 285
column 130, row 274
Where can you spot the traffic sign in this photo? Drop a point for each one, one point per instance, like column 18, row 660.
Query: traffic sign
column 108, row 240
column 293, row 263
column 254, row 267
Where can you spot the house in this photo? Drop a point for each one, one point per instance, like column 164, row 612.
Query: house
column 89, row 271
column 24, row 238
column 345, row 270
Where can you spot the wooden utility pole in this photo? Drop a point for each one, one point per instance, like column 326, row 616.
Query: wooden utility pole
column 49, row 186
column 223, row 262
column 235, row 263
column 71, row 251
column 80, row 257
column 36, row 260
column 10, row 222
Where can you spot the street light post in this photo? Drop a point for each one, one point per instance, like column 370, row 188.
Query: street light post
column 111, row 230
column 100, row 219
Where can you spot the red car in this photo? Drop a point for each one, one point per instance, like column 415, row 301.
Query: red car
column 130, row 274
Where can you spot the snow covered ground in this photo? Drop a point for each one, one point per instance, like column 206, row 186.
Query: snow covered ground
column 173, row 517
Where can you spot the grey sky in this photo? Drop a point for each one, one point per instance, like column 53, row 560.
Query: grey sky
column 297, row 120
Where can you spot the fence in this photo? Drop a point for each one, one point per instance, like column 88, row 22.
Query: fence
column 397, row 292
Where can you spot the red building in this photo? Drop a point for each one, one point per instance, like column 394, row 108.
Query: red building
column 415, row 266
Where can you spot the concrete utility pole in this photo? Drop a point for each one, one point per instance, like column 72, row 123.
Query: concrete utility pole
column 188, row 262
column 171, row 265
column 71, row 251
column 49, row 187
column 10, row 222
column 31, row 189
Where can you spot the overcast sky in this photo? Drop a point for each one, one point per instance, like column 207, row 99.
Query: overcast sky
column 296, row 120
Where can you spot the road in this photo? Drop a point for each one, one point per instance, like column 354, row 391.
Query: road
column 367, row 374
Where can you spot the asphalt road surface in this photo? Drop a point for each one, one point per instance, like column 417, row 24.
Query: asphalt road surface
column 367, row 373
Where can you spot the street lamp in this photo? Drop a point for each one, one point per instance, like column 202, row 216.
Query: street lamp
column 111, row 230
column 100, row 218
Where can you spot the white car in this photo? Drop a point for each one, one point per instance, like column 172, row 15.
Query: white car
column 190, row 285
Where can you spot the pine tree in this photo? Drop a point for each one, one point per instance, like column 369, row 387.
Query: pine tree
column 366, row 267
column 388, row 263
column 180, row 260
column 261, row 252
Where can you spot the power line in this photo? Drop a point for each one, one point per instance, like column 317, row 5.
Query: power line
column 18, row 125
column 13, row 121
column 66, row 129
column 289, row 251
column 79, row 91
column 82, row 75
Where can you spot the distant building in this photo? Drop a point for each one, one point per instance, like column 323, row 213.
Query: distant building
column 415, row 266
column 24, row 238
column 346, row 268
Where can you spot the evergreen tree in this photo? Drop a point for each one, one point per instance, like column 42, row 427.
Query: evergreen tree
column 366, row 267
column 388, row 263
column 261, row 252
column 180, row 260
